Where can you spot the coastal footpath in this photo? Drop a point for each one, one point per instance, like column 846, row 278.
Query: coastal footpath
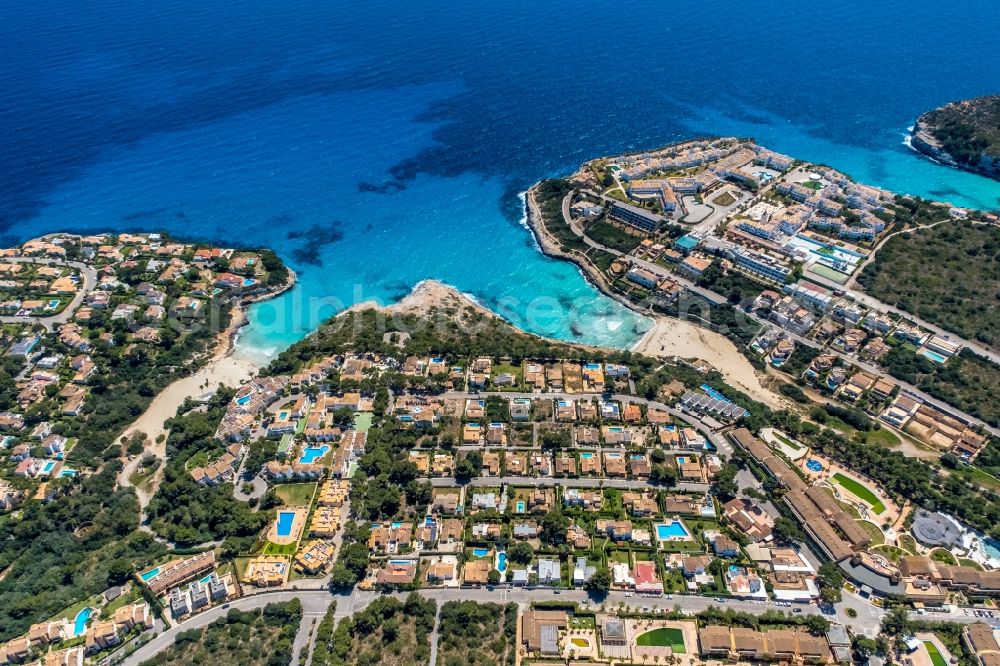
column 963, row 134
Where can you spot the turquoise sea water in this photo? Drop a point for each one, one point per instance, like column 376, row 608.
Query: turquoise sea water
column 378, row 145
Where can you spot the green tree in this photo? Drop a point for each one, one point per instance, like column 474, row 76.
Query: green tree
column 787, row 530
column 521, row 553
column 553, row 527
column 599, row 584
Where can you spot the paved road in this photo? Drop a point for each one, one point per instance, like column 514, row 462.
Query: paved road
column 311, row 616
column 434, row 636
column 88, row 277
column 258, row 483
column 315, row 604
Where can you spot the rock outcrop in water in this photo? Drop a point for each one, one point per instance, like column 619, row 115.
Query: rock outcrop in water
column 962, row 134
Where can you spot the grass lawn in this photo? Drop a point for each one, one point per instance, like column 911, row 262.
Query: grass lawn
column 295, row 494
column 505, row 368
column 861, row 492
column 70, row 611
column 620, row 556
column 271, row 548
column 663, row 637
column 970, row 563
column 890, row 552
column 873, row 531
column 882, row 437
column 129, row 597
column 724, row 199
column 944, row 556
column 680, row 546
column 934, row 654
column 909, row 543
column 240, row 564
column 363, row 421
column 787, row 442
column 978, row 477
column 838, row 424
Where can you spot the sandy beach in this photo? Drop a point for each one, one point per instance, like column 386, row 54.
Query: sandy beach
column 669, row 336
column 223, row 369
column 676, row 337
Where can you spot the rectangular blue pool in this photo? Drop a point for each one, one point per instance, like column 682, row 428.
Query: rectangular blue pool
column 285, row 520
column 671, row 530
column 152, row 573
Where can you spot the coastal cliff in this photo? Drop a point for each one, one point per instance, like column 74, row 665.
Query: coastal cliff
column 964, row 134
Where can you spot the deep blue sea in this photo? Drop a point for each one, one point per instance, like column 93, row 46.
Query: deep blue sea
column 376, row 144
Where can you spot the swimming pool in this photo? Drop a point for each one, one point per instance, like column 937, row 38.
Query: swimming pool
column 671, row 530
column 520, row 506
column 242, row 400
column 593, row 366
column 429, row 520
column 502, row 562
column 66, row 472
column 206, row 579
column 933, row 356
column 47, row 468
column 152, row 573
column 400, row 563
column 681, row 460
column 311, row 453
column 282, row 416
column 614, row 428
column 480, row 552
column 814, row 465
column 586, row 455
column 992, row 548
column 284, row 526
column 80, row 622
column 249, row 282
column 825, row 251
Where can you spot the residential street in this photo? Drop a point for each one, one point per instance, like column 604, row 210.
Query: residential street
column 316, row 602
column 88, row 277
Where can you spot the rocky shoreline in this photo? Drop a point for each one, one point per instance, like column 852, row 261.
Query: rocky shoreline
column 550, row 247
column 924, row 139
